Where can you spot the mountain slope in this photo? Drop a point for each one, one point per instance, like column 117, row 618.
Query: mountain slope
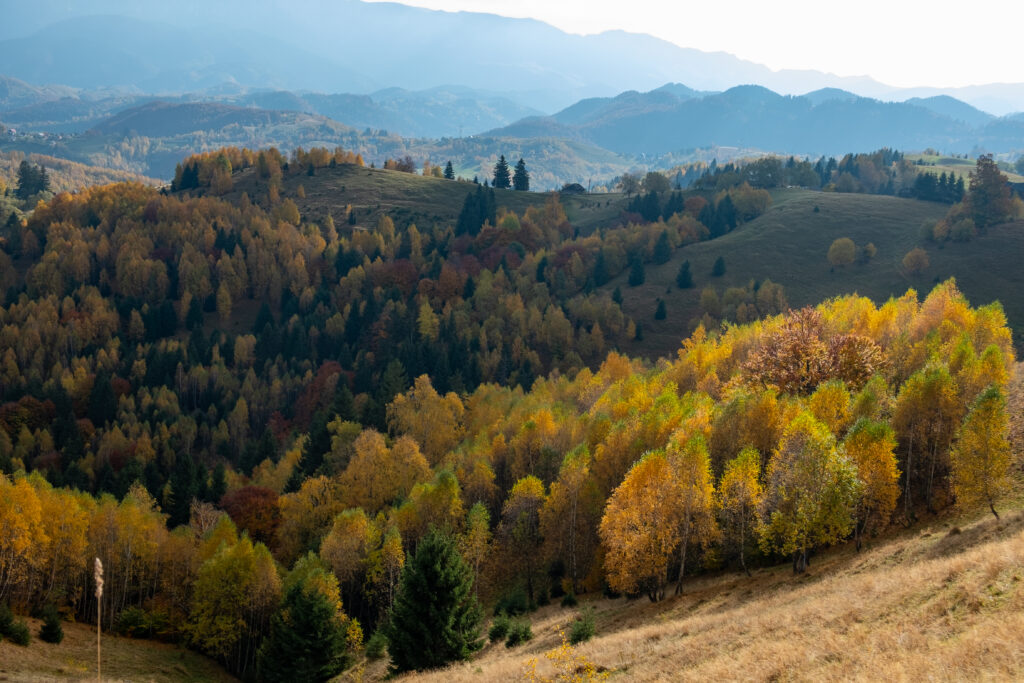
column 789, row 244
column 828, row 121
column 944, row 601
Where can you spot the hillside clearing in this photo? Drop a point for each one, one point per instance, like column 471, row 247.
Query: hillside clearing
column 124, row 659
column 789, row 243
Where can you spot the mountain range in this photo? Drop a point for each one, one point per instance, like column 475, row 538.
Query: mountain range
column 360, row 47
column 829, row 121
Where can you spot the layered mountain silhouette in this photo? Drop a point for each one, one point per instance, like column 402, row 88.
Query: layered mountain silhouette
column 360, row 47
column 828, row 121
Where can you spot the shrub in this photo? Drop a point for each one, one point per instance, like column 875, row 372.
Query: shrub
column 583, row 627
column 518, row 633
column 569, row 600
column 499, row 627
column 376, row 645
column 19, row 634
column 52, row 631
column 15, row 631
column 135, row 622
column 513, row 603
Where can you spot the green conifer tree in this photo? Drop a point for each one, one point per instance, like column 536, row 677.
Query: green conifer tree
column 684, row 279
column 436, row 617
column 306, row 640
column 637, row 275
column 520, row 179
column 52, row 631
column 449, row 172
column 502, row 178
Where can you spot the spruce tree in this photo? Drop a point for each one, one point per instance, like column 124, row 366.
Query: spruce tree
column 660, row 313
column 684, row 280
column 718, row 269
column 521, row 179
column 636, row 272
column 449, row 172
column 502, row 179
column 52, row 631
column 306, row 640
column 662, row 248
column 436, row 618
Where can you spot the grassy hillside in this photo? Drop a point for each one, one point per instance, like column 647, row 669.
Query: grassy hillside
column 789, row 244
column 943, row 601
column 960, row 167
column 124, row 659
column 407, row 197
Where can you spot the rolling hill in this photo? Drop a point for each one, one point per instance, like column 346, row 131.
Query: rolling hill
column 942, row 601
column 789, row 243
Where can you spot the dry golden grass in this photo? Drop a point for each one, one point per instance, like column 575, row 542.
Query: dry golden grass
column 938, row 602
column 942, row 601
column 124, row 659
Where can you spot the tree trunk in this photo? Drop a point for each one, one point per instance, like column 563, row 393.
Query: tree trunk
column 743, row 543
column 910, row 468
column 993, row 509
column 682, row 559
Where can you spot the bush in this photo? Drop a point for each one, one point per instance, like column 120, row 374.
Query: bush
column 582, row 628
column 569, row 600
column 136, row 622
column 19, row 634
column 513, row 603
column 499, row 627
column 518, row 633
column 52, row 631
column 376, row 645
column 15, row 631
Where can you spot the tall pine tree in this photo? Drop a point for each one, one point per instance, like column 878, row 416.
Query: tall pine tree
column 306, row 640
column 521, row 179
column 436, row 617
column 502, row 179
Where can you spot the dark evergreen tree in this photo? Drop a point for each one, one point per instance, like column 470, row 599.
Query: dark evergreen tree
column 600, row 269
column 306, row 641
column 31, row 180
column 102, row 400
column 317, row 445
column 502, row 178
column 617, row 296
column 660, row 312
column 183, row 490
column 718, row 270
column 449, row 172
column 662, row 249
column 684, row 280
column 52, row 631
column 436, row 618
column 521, row 178
column 637, row 275
column 218, row 483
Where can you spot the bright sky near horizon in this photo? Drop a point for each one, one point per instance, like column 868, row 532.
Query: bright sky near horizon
column 903, row 43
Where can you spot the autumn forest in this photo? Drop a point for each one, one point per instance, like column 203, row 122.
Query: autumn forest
column 280, row 432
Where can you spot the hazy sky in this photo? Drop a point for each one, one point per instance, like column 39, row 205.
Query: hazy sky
column 900, row 42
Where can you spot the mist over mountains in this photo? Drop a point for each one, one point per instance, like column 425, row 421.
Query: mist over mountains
column 357, row 47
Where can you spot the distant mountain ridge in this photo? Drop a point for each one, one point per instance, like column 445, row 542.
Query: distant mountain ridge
column 827, row 121
column 360, row 47
column 448, row 111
